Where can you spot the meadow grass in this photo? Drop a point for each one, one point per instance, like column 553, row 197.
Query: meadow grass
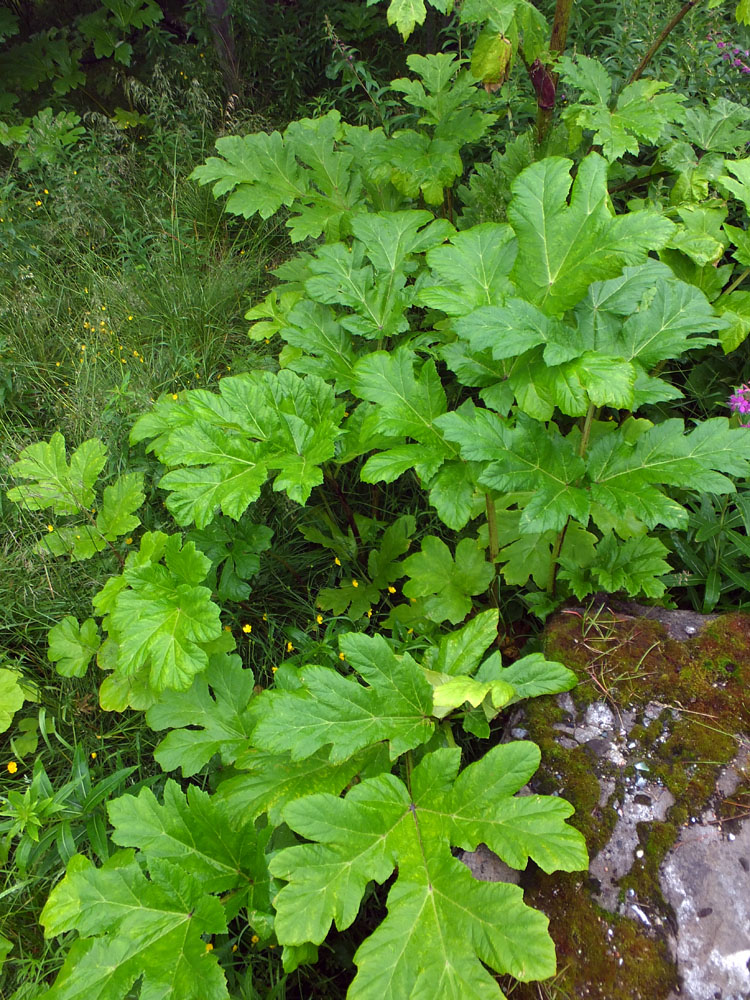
column 120, row 280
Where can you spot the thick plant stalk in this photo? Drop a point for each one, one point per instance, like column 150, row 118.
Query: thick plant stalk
column 737, row 281
column 545, row 81
column 668, row 27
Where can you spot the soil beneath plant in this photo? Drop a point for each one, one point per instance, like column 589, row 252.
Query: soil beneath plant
column 653, row 750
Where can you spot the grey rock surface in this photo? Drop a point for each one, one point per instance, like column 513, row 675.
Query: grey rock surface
column 647, row 803
column 706, row 880
column 486, row 866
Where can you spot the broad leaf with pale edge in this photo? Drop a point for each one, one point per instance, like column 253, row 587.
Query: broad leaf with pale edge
column 210, row 717
column 132, row 927
column 443, row 927
column 330, row 709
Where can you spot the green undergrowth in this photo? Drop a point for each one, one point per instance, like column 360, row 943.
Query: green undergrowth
column 630, row 662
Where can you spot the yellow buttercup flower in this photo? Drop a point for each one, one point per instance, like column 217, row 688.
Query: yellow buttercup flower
column 209, row 946
column 355, row 583
column 93, row 754
column 289, row 647
column 342, row 656
column 319, row 619
column 12, row 767
column 337, row 561
column 128, row 541
column 247, row 628
column 50, row 527
column 391, row 590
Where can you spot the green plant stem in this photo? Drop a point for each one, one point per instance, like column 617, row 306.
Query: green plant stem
column 586, row 434
column 737, row 281
column 558, row 38
column 447, row 731
column 660, row 38
column 491, row 513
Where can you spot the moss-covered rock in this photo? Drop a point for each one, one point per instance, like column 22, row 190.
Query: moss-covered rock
column 679, row 705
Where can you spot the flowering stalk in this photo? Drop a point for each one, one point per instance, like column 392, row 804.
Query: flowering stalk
column 668, row 27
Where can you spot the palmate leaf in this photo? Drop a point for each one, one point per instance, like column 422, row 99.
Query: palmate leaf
column 332, row 709
column 635, row 566
column 325, row 348
column 381, row 825
column 718, row 128
column 642, row 110
column 734, row 307
column 71, row 646
column 13, row 693
column 461, row 650
column 66, row 488
column 563, row 248
column 390, row 238
column 159, row 618
column 211, row 717
column 405, row 14
column 407, row 406
column 739, row 184
column 339, row 275
column 192, row 829
column 446, row 583
column 301, row 169
column 119, row 503
column 525, row 457
column 132, row 927
column 270, row 780
column 235, row 551
column 625, row 474
column 227, row 443
column 472, row 271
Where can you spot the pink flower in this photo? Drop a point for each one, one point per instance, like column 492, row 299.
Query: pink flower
column 739, row 402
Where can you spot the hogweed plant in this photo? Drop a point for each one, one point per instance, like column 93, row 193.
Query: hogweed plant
column 515, row 373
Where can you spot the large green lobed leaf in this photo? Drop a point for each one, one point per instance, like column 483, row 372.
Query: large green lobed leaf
column 443, row 927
